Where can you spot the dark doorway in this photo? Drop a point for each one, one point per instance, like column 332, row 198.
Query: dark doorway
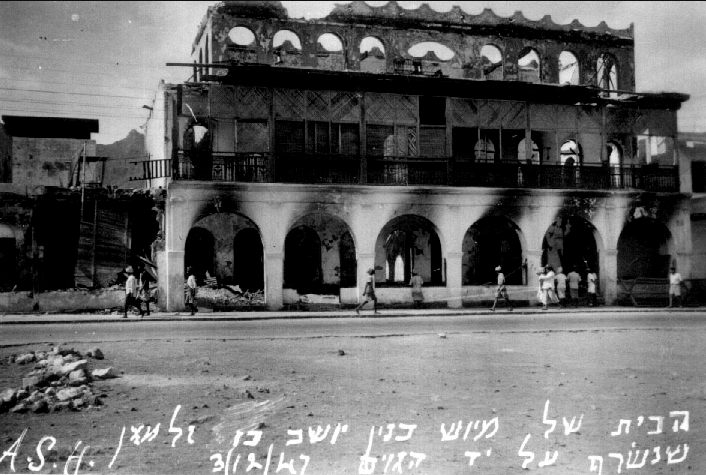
column 643, row 250
column 8, row 275
column 302, row 260
column 199, row 253
column 570, row 243
column 492, row 242
column 248, row 263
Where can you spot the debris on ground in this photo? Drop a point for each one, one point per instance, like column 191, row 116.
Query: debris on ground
column 229, row 297
column 59, row 380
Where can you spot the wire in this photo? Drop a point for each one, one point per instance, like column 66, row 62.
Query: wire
column 82, row 104
column 110, row 86
column 74, row 93
column 82, row 113
column 45, row 58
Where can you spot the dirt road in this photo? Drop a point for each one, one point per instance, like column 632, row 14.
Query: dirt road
column 457, row 403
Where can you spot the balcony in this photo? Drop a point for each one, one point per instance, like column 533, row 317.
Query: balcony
column 406, row 171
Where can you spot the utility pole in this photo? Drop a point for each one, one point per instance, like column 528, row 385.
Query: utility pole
column 83, row 180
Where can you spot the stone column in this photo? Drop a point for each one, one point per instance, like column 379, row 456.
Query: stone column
column 608, row 280
column 454, row 279
column 274, row 276
column 174, row 289
column 534, row 262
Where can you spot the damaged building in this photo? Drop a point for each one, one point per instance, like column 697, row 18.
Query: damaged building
column 61, row 227
column 302, row 153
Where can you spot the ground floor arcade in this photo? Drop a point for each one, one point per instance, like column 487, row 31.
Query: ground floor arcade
column 293, row 240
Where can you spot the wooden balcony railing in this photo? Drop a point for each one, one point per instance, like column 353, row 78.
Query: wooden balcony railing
column 413, row 171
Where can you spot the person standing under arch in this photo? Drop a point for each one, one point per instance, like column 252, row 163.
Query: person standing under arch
column 675, row 283
column 592, row 278
column 416, row 282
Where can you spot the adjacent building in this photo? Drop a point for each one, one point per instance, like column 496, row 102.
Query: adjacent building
column 304, row 152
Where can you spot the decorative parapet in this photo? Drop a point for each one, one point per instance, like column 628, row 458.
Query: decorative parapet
column 359, row 11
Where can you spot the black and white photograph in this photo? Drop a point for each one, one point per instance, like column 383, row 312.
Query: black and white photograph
column 352, row 237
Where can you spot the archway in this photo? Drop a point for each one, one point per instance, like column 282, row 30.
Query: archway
column 248, row 267
column 490, row 242
column 319, row 255
column 528, row 66
column 568, row 68
column 491, row 63
column 302, row 260
column 408, row 244
column 8, row 259
column 570, row 242
column 199, row 252
column 644, row 249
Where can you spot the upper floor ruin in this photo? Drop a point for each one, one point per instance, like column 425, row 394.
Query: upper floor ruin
column 394, row 40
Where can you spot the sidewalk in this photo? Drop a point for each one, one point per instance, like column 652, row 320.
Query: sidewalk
column 208, row 315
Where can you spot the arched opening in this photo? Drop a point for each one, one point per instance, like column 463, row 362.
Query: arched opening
column 329, row 43
column 570, row 243
column 319, row 256
column 568, row 68
column 491, row 59
column 286, row 40
column 614, row 154
column 607, row 73
column 644, row 249
column 199, row 253
column 570, row 153
column 241, row 36
column 528, row 66
column 302, row 260
column 286, row 48
column 248, row 268
column 372, row 55
column 522, row 152
column 490, row 242
column 408, row 244
column 484, row 150
column 420, row 50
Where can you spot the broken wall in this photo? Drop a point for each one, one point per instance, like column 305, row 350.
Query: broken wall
column 47, row 161
column 399, row 30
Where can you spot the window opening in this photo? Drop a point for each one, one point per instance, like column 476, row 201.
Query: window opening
column 491, row 62
column 529, row 66
column 568, row 68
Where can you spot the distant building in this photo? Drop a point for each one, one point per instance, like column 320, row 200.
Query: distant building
column 304, row 152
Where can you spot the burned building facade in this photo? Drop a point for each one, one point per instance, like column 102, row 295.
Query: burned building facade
column 304, row 152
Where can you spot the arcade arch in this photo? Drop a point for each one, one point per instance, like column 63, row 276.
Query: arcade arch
column 572, row 242
column 228, row 246
column 490, row 242
column 407, row 244
column 319, row 255
column 645, row 249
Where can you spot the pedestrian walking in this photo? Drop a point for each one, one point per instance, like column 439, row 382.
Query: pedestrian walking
column 131, row 292
column 190, row 297
column 546, row 282
column 675, row 283
column 369, row 293
column 416, row 282
column 561, row 286
column 574, row 279
column 592, row 278
column 501, row 290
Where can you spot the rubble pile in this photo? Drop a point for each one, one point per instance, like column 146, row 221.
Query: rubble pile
column 228, row 298
column 60, row 380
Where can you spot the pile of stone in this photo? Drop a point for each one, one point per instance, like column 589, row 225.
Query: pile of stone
column 231, row 297
column 60, row 380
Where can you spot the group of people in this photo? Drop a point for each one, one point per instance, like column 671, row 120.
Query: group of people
column 137, row 290
column 553, row 287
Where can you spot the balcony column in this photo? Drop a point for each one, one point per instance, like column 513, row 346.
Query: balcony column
column 608, row 278
column 454, row 279
column 274, row 276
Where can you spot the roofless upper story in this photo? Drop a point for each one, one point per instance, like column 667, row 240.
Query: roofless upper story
column 422, row 41
column 391, row 96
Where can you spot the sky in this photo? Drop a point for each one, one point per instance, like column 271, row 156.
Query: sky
column 104, row 60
